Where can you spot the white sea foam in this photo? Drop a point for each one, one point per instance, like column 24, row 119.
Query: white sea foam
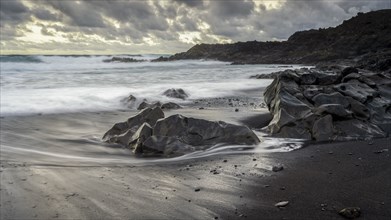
column 54, row 84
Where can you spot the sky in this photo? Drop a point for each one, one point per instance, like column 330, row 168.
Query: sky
column 161, row 26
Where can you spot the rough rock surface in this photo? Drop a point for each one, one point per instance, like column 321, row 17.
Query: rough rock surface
column 124, row 130
column 146, row 104
column 165, row 106
column 176, row 93
column 150, row 133
column 129, row 101
column 170, row 105
column 329, row 103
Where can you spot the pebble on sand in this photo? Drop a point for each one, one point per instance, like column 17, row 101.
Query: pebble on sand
column 350, row 212
column 281, row 204
column 277, row 168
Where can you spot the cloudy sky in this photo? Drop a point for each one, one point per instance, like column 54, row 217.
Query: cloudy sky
column 160, row 26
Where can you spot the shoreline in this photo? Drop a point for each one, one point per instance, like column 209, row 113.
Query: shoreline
column 230, row 185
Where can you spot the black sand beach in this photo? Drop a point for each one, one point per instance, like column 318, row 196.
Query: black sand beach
column 318, row 180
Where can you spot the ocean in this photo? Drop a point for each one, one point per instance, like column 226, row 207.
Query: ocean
column 64, row 84
column 55, row 109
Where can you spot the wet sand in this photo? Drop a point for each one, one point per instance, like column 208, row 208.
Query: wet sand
column 84, row 179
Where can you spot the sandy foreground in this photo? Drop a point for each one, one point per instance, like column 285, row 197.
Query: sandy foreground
column 54, row 167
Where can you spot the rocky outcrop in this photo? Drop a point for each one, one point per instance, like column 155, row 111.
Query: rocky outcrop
column 150, row 133
column 123, row 60
column 146, row 104
column 129, row 101
column 170, row 105
column 176, row 93
column 165, row 106
column 367, row 35
column 329, row 103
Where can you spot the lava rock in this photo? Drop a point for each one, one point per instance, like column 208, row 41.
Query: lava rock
column 145, row 104
column 170, row 105
column 176, row 93
column 350, row 212
column 120, row 131
column 277, row 168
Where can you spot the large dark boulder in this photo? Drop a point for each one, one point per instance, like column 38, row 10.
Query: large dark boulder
column 319, row 104
column 149, row 133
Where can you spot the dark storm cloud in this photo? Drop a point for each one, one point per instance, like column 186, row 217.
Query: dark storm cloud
column 191, row 3
column 230, row 8
column 13, row 11
column 46, row 15
column 123, row 11
column 79, row 13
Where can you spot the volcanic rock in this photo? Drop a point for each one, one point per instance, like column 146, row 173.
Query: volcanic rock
column 176, row 93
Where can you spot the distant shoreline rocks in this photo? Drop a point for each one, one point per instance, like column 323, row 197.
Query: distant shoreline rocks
column 123, row 60
column 365, row 37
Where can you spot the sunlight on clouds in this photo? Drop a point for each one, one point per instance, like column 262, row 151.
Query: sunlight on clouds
column 36, row 36
column 203, row 26
column 149, row 41
column 268, row 4
column 112, row 22
column 190, row 37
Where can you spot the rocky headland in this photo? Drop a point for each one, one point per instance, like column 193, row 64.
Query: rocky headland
column 362, row 41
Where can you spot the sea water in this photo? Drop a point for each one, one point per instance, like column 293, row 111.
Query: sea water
column 60, row 84
column 55, row 109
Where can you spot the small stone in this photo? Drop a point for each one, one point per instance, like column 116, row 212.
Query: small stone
column 236, row 110
column 225, row 161
column 380, row 151
column 350, row 212
column 281, row 204
column 331, row 152
column 277, row 168
column 197, row 190
column 254, row 159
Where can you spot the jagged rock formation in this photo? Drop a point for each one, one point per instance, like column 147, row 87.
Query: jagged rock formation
column 367, row 35
column 149, row 133
column 165, row 106
column 330, row 104
column 176, row 93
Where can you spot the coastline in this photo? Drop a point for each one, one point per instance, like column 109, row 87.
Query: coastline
column 111, row 190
